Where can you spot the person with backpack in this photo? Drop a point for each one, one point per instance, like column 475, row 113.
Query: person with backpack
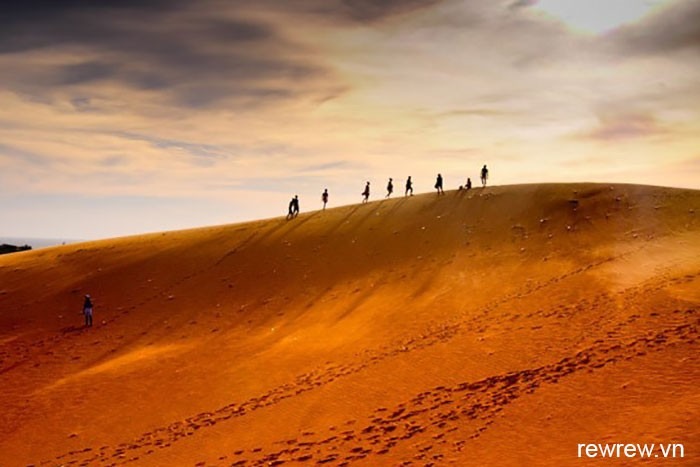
column 389, row 188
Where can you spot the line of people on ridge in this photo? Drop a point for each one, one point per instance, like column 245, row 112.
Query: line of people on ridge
column 294, row 203
column 88, row 306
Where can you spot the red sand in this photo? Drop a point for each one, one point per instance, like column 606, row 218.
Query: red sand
column 497, row 327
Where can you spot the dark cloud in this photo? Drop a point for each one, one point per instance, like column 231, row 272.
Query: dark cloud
column 373, row 10
column 33, row 24
column 672, row 29
column 39, row 11
column 200, row 55
column 202, row 96
column 83, row 72
column 197, row 55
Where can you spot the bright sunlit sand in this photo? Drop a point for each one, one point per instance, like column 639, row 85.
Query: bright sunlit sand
column 486, row 327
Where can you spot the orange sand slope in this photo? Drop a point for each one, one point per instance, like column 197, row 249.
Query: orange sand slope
column 493, row 327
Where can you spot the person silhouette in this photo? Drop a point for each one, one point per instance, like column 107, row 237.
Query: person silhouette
column 87, row 310
column 290, row 212
column 484, row 175
column 365, row 193
column 295, row 206
column 469, row 183
column 438, row 185
column 389, row 188
column 409, row 186
column 324, row 198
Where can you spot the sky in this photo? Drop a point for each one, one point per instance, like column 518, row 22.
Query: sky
column 120, row 117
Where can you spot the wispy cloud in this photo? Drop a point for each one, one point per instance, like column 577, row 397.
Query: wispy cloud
column 617, row 127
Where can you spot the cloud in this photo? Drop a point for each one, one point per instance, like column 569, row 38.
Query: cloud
column 214, row 99
column 206, row 56
column 674, row 28
column 522, row 4
column 619, row 127
column 34, row 24
column 372, row 10
column 13, row 154
column 331, row 167
column 83, row 73
column 475, row 112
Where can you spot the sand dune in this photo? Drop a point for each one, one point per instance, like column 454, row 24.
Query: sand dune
column 493, row 327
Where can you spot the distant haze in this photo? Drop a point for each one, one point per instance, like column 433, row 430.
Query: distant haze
column 35, row 242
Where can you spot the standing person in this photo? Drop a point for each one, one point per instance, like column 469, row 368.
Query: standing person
column 365, row 193
column 87, row 310
column 409, row 186
column 438, row 185
column 324, row 198
column 484, row 175
column 389, row 188
column 469, row 183
column 295, row 206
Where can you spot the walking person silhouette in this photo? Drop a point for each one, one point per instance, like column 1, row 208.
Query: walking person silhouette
column 484, row 175
column 293, row 208
column 409, row 186
column 365, row 194
column 438, row 185
column 324, row 198
column 389, row 188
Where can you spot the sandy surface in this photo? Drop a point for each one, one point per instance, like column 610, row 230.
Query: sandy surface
column 493, row 327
